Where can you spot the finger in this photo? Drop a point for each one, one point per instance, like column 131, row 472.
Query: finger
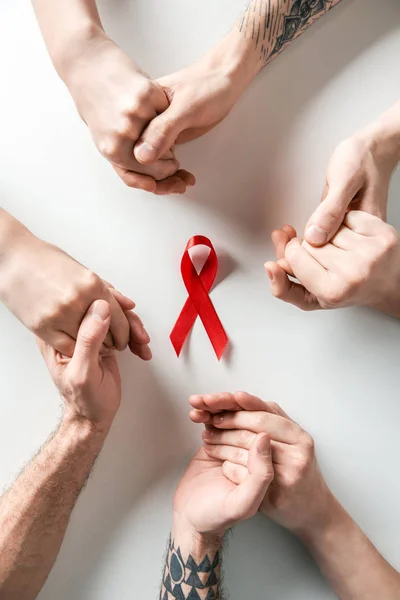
column 138, row 333
column 280, row 239
column 119, row 325
column 235, row 473
column 225, row 401
column 177, row 184
column 200, row 416
column 142, row 351
column 234, row 454
column 124, row 302
column 245, row 500
column 91, row 335
column 330, row 214
column 364, row 224
column 278, row 428
column 306, row 269
column 289, row 291
column 136, row 180
column 329, row 256
column 160, row 135
column 238, row 438
column 345, row 239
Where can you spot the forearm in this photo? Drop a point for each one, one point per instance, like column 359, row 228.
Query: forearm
column 348, row 560
column 193, row 565
column 35, row 511
column 12, row 235
column 69, row 29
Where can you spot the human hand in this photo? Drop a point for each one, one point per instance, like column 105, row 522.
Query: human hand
column 360, row 266
column 117, row 101
column 50, row 293
column 89, row 382
column 298, row 497
column 200, row 97
column 209, row 503
column 358, row 178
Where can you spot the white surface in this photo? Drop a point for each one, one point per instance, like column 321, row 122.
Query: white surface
column 337, row 373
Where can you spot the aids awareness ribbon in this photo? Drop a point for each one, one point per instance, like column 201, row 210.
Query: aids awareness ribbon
column 199, row 303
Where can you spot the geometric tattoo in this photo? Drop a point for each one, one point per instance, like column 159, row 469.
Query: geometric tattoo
column 273, row 24
column 188, row 579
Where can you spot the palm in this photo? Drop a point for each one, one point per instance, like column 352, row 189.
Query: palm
column 204, row 494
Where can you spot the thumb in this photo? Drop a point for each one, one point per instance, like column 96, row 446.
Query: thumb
column 329, row 216
column 91, row 334
column 159, row 136
column 250, row 493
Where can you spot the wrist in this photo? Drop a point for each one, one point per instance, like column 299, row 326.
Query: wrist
column 81, row 43
column 234, row 56
column 316, row 533
column 190, row 540
column 15, row 241
column 80, row 429
column 383, row 138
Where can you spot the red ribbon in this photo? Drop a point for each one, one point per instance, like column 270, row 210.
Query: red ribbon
column 199, row 303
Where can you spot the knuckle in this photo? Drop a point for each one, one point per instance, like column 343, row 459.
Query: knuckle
column 261, row 421
column 307, row 442
column 240, row 455
column 247, row 437
column 110, row 147
column 47, row 317
column 390, row 239
column 91, row 281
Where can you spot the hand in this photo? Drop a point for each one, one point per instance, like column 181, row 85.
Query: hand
column 117, row 101
column 200, row 97
column 298, row 497
column 50, row 293
column 89, row 382
column 358, row 178
column 360, row 266
column 209, row 503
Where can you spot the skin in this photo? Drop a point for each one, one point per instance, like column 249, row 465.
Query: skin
column 112, row 94
column 358, row 177
column 50, row 292
column 35, row 510
column 359, row 267
column 206, row 504
column 298, row 497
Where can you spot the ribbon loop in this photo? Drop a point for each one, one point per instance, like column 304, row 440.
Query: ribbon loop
column 198, row 286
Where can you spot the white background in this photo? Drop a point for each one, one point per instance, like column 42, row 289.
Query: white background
column 337, row 373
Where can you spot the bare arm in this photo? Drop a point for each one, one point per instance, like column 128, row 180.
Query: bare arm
column 35, row 511
column 349, row 561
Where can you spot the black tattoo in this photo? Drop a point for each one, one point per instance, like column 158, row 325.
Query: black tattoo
column 190, row 579
column 273, row 24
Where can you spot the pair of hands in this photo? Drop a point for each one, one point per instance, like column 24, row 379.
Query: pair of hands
column 349, row 255
column 50, row 293
column 135, row 121
column 254, row 458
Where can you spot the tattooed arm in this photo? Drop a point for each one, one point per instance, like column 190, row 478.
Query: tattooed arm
column 202, row 95
column 35, row 511
column 205, row 505
column 273, row 24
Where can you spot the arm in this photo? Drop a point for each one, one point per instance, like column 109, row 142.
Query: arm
column 35, row 511
column 49, row 292
column 348, row 560
column 192, row 565
column 113, row 96
column 202, row 95
column 300, row 499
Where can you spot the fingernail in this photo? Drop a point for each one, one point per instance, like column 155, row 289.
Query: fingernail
column 316, row 235
column 269, row 273
column 264, row 446
column 145, row 152
column 100, row 311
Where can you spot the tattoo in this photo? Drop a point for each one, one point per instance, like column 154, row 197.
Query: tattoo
column 273, row 24
column 190, row 579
